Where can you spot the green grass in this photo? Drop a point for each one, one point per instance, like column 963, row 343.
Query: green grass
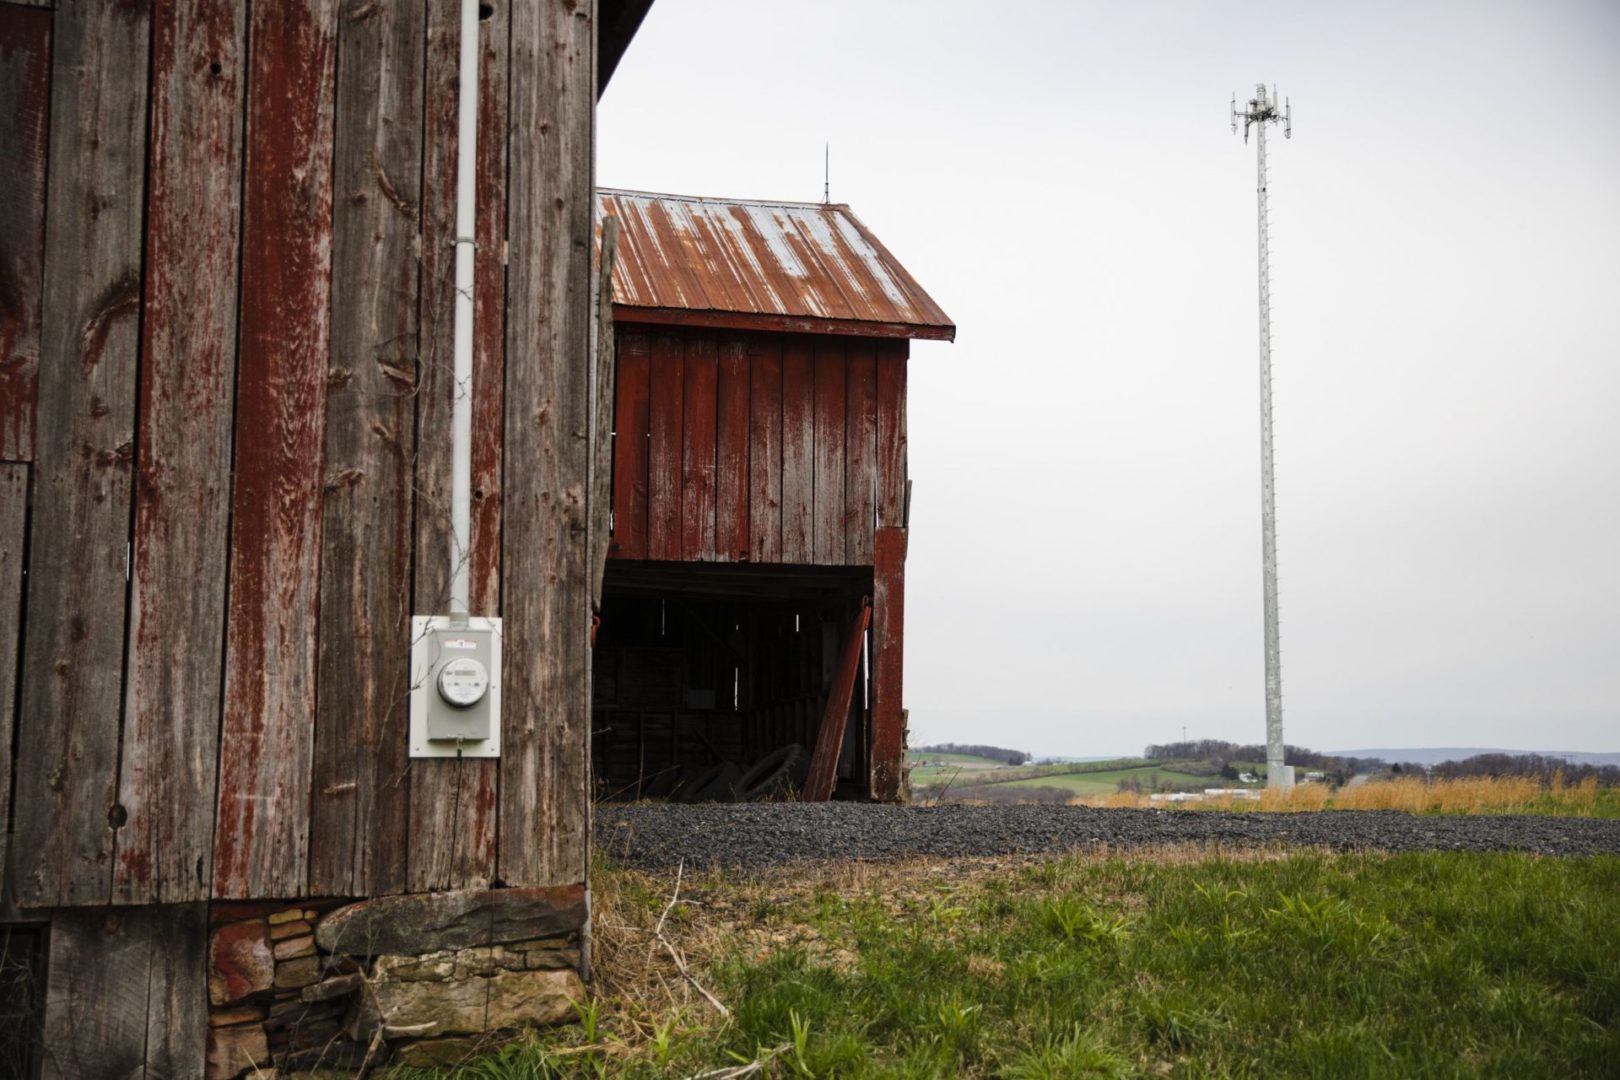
column 1435, row 964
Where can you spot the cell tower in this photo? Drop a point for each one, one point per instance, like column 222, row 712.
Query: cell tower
column 1260, row 111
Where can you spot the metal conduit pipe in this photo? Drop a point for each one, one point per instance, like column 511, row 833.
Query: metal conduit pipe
column 462, row 411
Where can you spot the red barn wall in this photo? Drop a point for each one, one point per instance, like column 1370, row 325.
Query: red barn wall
column 732, row 446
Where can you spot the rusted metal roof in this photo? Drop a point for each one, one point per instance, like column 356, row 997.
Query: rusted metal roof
column 745, row 263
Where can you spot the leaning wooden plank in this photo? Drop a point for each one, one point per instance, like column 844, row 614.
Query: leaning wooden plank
column 128, row 992
column 361, row 806
column 25, row 99
column 888, row 658
column 891, row 433
column 67, row 761
column 632, row 381
column 452, row 827
column 262, row 834
column 798, row 451
column 818, row 786
column 731, row 454
column 182, row 474
column 698, row 401
column 765, row 447
column 545, row 759
column 828, row 515
column 13, row 522
column 860, row 446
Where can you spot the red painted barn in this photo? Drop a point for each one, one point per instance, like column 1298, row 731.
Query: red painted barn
column 754, row 593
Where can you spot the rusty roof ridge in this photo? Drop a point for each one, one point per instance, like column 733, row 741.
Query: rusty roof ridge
column 725, row 199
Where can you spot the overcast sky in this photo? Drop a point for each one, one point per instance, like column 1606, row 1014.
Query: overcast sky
column 1085, row 551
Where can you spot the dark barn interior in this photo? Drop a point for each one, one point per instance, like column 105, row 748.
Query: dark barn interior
column 695, row 672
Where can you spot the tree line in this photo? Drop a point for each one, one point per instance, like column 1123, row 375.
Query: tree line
column 994, row 753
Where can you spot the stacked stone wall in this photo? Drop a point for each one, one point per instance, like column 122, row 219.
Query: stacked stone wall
column 418, row 980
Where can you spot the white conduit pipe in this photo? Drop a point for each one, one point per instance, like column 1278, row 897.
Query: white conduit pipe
column 462, row 410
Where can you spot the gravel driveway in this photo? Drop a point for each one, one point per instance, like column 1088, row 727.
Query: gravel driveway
column 770, row 834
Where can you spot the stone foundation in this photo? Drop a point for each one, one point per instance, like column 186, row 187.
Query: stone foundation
column 418, row 980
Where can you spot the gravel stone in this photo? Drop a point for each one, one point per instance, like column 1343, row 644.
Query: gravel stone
column 759, row 835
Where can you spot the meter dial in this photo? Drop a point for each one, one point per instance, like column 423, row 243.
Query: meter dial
column 463, row 682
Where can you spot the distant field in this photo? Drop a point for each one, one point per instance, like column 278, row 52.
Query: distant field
column 1103, row 783
column 962, row 766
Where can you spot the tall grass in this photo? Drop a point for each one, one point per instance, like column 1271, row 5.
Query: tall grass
column 1158, row 964
column 1471, row 795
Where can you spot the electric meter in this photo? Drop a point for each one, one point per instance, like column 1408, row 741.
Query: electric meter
column 463, row 682
column 455, row 687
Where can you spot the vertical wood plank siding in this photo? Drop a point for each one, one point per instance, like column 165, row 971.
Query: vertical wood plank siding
column 361, row 790
column 545, row 764
column 25, row 95
column 765, row 447
column 772, row 442
column 128, row 993
column 262, row 830
column 731, row 454
column 183, row 453
column 798, row 451
column 699, row 400
column 630, row 420
column 73, row 661
column 452, row 826
column 13, row 522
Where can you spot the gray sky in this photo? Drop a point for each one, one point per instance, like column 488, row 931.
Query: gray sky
column 1061, row 177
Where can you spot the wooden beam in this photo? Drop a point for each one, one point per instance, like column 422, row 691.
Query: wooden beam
column 67, row 768
column 262, row 833
column 25, row 103
column 361, row 807
column 818, row 786
column 860, row 447
column 603, row 364
column 891, row 434
column 164, row 851
column 667, row 384
column 545, row 761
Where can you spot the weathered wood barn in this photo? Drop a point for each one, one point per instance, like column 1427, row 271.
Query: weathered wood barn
column 759, row 496
column 226, row 241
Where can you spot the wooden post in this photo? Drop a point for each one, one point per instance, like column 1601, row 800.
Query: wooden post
column 888, row 655
column 545, row 762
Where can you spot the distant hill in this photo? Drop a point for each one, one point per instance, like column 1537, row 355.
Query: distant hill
column 1434, row 755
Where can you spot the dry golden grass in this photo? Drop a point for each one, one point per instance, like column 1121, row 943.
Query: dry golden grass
column 1471, row 795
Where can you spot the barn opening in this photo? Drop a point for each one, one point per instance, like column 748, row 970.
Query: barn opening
column 751, row 632
column 713, row 685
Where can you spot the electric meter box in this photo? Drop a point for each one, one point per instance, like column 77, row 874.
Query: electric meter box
column 455, row 687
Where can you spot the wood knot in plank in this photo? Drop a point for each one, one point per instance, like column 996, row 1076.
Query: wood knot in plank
column 121, row 298
column 344, row 478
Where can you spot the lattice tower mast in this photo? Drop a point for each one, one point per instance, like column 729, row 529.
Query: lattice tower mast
column 1259, row 112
